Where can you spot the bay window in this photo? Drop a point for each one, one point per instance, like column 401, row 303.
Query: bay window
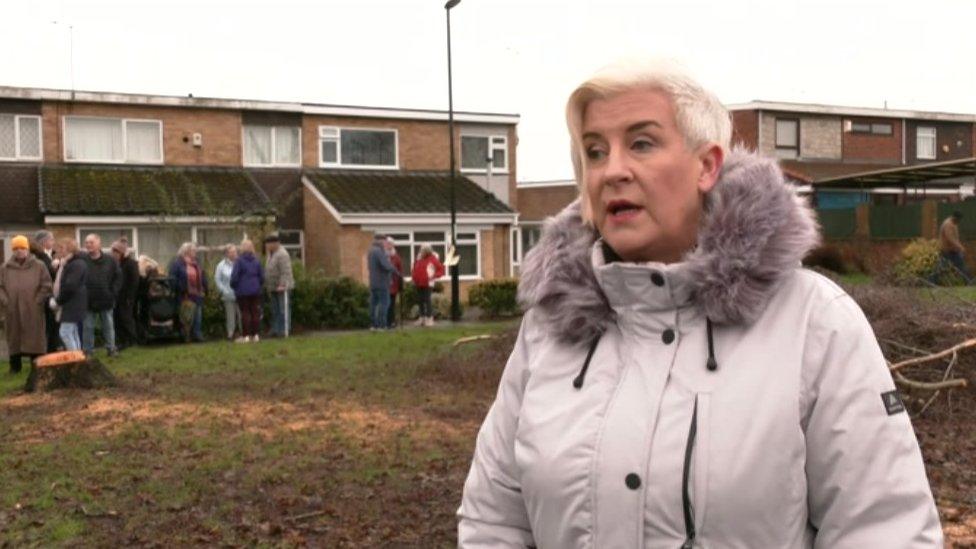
column 409, row 243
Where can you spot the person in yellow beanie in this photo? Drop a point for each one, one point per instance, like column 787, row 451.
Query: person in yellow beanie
column 20, row 242
column 25, row 286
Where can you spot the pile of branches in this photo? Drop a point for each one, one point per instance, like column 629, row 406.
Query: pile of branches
column 928, row 336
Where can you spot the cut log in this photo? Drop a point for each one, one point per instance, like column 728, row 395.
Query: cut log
column 66, row 370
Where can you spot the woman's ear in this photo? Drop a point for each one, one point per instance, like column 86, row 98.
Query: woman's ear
column 712, row 157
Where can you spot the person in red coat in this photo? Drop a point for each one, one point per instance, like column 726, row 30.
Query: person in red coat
column 396, row 281
column 426, row 270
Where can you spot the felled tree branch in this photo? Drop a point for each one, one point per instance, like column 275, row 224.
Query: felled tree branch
column 935, row 356
column 937, row 386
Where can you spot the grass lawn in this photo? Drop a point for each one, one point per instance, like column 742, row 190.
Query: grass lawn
column 334, row 440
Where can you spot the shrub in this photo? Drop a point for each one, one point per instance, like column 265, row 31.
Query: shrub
column 495, row 297
column 920, row 260
column 826, row 257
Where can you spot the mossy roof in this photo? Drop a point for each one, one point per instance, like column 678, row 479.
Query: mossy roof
column 111, row 190
column 403, row 192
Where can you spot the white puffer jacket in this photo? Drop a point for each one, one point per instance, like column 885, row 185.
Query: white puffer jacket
column 731, row 400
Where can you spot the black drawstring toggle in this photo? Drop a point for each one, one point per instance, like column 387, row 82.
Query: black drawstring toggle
column 711, row 364
column 578, row 381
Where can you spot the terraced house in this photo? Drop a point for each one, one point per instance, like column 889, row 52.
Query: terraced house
column 161, row 170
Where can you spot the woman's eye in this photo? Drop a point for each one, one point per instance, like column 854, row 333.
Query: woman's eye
column 594, row 153
column 642, row 145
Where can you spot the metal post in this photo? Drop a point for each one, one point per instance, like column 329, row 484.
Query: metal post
column 455, row 275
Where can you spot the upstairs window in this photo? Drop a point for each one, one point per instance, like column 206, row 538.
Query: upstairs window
column 875, row 128
column 357, row 148
column 787, row 138
column 113, row 140
column 20, row 137
column 925, row 143
column 272, row 146
column 478, row 151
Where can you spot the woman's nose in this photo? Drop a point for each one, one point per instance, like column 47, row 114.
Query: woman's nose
column 617, row 168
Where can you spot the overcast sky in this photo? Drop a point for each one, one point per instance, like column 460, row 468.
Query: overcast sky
column 521, row 56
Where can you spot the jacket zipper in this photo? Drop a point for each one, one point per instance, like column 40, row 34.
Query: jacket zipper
column 689, row 510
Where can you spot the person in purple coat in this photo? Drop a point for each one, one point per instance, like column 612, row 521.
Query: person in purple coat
column 247, row 281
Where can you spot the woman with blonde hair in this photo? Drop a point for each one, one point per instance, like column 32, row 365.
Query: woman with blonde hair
column 426, row 269
column 679, row 380
column 191, row 289
column 70, row 300
column 247, row 279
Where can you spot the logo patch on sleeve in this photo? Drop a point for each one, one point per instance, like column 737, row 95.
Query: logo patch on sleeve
column 892, row 402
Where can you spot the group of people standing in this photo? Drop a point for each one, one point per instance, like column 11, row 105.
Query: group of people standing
column 386, row 282
column 241, row 281
column 56, row 295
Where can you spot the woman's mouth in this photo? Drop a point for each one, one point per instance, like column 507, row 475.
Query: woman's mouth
column 622, row 210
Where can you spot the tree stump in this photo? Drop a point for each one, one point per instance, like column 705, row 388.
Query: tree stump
column 69, row 369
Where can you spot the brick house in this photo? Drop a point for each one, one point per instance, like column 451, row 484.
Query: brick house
column 161, row 170
column 824, row 142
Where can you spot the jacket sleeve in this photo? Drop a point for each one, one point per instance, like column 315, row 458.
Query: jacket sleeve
column 44, row 287
column 866, row 480
column 235, row 275
column 438, row 268
column 287, row 276
column 133, row 282
column 492, row 512
column 4, row 298
column 116, row 280
column 70, row 282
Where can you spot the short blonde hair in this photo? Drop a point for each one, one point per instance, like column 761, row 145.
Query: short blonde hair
column 247, row 245
column 700, row 116
column 186, row 248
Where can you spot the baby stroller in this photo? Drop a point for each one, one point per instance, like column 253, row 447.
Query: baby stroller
column 159, row 315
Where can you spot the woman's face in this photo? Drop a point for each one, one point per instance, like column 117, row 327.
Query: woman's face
column 21, row 253
column 644, row 185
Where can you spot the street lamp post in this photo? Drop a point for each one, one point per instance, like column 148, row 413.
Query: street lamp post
column 455, row 276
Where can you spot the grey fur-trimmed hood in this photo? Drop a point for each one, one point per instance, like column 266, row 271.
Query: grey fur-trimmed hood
column 755, row 230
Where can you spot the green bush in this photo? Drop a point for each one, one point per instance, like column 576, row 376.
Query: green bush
column 495, row 297
column 920, row 260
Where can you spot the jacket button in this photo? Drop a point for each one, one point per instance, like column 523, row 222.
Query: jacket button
column 667, row 336
column 632, row 481
column 657, row 278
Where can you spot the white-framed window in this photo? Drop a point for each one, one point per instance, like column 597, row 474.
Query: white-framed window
column 274, row 146
column 294, row 242
column 408, row 244
column 20, row 137
column 113, row 140
column 787, row 138
column 161, row 242
column 477, row 151
column 365, row 148
column 925, row 142
column 523, row 238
